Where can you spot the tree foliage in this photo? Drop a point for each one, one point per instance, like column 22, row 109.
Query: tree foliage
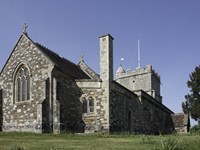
column 191, row 104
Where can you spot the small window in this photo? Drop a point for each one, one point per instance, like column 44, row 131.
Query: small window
column 58, row 91
column 88, row 105
column 84, row 106
column 91, row 104
column 133, row 85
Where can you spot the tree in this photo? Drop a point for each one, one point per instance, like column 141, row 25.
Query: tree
column 191, row 104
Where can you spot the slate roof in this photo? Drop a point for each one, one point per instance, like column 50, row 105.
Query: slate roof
column 180, row 120
column 88, row 70
column 63, row 64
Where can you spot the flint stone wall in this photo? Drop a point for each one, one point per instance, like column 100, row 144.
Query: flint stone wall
column 66, row 96
column 137, row 113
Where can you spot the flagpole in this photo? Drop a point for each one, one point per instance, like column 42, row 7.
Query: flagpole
column 138, row 53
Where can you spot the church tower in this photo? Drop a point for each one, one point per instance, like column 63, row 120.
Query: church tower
column 145, row 79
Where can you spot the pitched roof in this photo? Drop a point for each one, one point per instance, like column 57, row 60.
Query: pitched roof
column 63, row 64
column 180, row 119
column 88, row 70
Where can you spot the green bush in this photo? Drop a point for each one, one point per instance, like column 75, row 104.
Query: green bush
column 195, row 130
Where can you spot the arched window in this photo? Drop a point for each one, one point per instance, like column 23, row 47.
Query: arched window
column 22, row 84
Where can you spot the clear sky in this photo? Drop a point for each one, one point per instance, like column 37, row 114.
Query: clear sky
column 169, row 33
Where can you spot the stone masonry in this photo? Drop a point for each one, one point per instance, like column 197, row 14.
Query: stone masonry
column 24, row 116
column 145, row 79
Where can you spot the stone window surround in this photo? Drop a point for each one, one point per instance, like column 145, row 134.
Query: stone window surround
column 15, row 96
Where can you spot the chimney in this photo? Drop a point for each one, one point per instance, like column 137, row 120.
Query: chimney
column 106, row 75
column 106, row 57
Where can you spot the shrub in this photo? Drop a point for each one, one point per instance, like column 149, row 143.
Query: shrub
column 195, row 130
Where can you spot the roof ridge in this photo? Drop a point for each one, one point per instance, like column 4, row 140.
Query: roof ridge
column 46, row 48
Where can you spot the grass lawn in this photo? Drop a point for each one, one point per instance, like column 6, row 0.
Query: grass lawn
column 31, row 141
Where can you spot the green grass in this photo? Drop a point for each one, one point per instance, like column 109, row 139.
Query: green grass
column 31, row 141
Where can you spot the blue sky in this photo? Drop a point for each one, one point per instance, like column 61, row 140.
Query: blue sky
column 169, row 33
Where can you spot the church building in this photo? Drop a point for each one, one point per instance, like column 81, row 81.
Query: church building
column 44, row 93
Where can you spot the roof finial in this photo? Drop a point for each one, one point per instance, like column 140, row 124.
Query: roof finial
column 24, row 27
column 81, row 58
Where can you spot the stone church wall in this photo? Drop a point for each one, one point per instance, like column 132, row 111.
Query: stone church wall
column 1, row 111
column 23, row 116
column 67, row 94
column 156, row 118
column 137, row 113
column 94, row 121
column 125, row 110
